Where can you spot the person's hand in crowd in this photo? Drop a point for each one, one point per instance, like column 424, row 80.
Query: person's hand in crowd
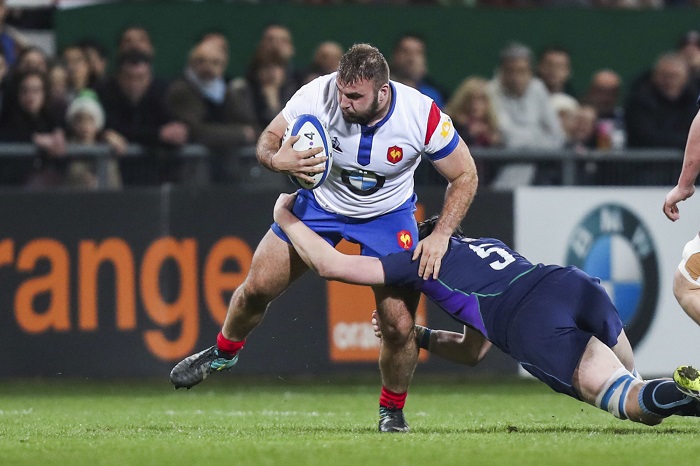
column 53, row 143
column 175, row 133
column 118, row 142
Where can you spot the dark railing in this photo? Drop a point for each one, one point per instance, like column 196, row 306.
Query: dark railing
column 554, row 167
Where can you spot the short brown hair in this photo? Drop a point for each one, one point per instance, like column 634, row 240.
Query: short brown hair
column 363, row 62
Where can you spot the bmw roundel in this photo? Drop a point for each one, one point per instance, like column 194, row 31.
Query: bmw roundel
column 362, row 182
column 613, row 244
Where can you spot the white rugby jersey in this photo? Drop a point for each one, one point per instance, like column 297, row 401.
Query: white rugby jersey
column 373, row 166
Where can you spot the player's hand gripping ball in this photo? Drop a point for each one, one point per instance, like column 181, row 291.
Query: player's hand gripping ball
column 312, row 134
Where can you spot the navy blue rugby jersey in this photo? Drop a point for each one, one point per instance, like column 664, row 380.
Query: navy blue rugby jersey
column 480, row 283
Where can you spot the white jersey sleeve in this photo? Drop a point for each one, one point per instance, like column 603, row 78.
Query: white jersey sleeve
column 441, row 138
column 311, row 98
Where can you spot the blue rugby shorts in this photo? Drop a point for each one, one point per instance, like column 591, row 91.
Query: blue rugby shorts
column 377, row 236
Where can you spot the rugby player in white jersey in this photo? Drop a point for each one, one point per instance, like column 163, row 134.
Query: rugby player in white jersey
column 380, row 130
column 685, row 283
column 686, row 280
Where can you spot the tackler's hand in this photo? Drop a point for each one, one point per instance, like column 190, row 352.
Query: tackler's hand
column 283, row 206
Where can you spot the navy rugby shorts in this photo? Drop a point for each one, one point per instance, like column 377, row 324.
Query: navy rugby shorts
column 554, row 322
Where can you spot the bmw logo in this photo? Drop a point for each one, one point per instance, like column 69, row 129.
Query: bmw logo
column 362, row 182
column 611, row 243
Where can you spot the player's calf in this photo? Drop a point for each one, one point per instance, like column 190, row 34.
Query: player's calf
column 613, row 397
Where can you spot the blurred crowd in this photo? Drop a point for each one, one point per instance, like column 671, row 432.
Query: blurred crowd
column 527, row 104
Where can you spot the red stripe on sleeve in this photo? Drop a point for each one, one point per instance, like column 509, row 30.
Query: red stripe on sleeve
column 433, row 120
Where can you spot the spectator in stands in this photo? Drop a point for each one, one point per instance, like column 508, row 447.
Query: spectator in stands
column 11, row 41
column 473, row 115
column 658, row 114
column 97, row 59
column 31, row 59
column 566, row 108
column 278, row 38
column 58, row 88
column 78, row 67
column 603, row 95
column 136, row 38
column 33, row 122
column 265, row 89
column 475, row 120
column 85, row 120
column 134, row 103
column 584, row 133
column 409, row 66
column 660, row 110
column 526, row 117
column 554, row 69
column 207, row 104
column 325, row 61
column 689, row 49
column 525, row 114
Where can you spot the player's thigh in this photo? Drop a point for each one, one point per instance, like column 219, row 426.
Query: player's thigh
column 623, row 351
column 598, row 363
column 687, row 294
column 274, row 267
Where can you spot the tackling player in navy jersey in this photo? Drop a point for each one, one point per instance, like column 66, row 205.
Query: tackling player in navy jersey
column 557, row 322
column 381, row 130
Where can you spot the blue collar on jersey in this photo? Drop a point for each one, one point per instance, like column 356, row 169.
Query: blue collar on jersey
column 367, row 132
column 387, row 116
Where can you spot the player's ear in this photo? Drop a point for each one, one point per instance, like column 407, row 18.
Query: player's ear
column 383, row 94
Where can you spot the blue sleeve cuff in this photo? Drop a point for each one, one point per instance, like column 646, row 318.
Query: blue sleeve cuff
column 447, row 150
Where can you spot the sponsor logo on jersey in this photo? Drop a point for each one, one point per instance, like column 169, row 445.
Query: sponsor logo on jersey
column 336, row 144
column 613, row 244
column 405, row 239
column 446, row 127
column 362, row 182
column 394, row 154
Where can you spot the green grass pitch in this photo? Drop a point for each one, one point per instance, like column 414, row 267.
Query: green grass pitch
column 242, row 421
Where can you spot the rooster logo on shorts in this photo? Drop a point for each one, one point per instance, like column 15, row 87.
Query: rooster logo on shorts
column 405, row 239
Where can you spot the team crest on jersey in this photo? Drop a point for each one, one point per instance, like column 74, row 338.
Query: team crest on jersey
column 613, row 244
column 405, row 239
column 336, row 144
column 394, row 154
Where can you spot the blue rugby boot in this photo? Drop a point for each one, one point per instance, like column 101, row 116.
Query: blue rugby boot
column 193, row 369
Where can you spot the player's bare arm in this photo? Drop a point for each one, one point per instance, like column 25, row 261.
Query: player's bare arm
column 467, row 348
column 321, row 256
column 278, row 157
column 689, row 173
column 460, row 171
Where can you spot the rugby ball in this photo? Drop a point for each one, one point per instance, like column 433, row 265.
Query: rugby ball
column 312, row 134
